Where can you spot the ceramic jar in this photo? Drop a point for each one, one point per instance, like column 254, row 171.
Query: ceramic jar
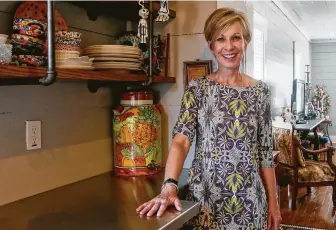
column 137, row 135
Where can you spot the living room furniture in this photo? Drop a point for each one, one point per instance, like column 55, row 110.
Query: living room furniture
column 305, row 129
column 323, row 127
column 294, row 169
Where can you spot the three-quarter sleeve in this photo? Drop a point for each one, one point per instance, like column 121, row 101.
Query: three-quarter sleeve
column 264, row 135
column 187, row 119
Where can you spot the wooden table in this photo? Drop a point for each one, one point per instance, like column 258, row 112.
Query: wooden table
column 326, row 123
column 311, row 125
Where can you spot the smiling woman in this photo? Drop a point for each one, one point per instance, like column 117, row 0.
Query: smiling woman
column 231, row 31
column 232, row 175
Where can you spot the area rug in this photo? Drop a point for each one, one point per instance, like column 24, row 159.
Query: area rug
column 295, row 227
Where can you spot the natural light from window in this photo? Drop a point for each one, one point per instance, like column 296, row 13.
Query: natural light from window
column 259, row 54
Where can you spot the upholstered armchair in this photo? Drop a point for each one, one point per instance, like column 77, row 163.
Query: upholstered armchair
column 295, row 170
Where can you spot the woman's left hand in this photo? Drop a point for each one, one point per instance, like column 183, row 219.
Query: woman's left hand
column 274, row 218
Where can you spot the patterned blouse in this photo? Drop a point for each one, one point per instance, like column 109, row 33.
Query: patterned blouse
column 233, row 130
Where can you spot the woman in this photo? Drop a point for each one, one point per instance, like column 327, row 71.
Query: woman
column 233, row 168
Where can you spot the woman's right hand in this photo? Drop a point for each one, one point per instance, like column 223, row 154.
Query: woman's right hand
column 159, row 204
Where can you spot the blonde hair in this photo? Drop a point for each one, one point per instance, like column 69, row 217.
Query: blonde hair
column 221, row 19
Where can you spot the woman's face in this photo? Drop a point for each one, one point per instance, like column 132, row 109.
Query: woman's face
column 229, row 47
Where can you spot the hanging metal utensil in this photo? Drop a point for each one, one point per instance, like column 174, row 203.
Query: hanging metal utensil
column 142, row 26
column 163, row 12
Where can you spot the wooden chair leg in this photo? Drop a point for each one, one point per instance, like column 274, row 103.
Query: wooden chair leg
column 323, row 154
column 295, row 193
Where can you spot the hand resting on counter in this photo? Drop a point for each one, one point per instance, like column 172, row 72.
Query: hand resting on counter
column 160, row 203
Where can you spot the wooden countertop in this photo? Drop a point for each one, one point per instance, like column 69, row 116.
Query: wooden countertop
column 99, row 203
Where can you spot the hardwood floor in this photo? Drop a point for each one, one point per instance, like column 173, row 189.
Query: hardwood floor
column 315, row 210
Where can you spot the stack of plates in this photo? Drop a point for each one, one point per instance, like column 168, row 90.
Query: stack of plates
column 63, row 55
column 115, row 56
column 83, row 62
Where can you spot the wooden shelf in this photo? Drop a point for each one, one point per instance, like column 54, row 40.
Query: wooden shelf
column 124, row 10
column 14, row 72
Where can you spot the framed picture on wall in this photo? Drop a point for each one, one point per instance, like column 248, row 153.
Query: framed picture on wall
column 196, row 69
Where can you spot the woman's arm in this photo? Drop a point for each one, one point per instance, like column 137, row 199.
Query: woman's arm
column 268, row 177
column 265, row 151
column 274, row 214
column 169, row 193
column 183, row 135
column 176, row 157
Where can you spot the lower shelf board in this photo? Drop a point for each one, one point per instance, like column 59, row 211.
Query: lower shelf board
column 16, row 72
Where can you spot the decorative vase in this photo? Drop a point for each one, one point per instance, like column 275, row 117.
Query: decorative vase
column 137, row 135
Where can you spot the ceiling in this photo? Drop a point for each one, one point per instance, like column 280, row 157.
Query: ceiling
column 315, row 19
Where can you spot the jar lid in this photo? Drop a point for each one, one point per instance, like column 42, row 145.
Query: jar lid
column 137, row 98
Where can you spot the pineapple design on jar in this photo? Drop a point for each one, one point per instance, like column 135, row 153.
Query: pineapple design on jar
column 137, row 135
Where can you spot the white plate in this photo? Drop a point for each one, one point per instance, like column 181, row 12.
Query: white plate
column 112, row 52
column 117, row 59
column 112, row 47
column 112, row 67
column 116, row 64
column 94, row 55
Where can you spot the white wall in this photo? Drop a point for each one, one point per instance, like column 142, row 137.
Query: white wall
column 280, row 34
column 187, row 44
column 323, row 71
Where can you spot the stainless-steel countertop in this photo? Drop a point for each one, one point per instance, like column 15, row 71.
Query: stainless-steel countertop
column 99, row 203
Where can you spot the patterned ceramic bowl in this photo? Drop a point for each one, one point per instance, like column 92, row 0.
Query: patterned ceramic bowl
column 68, row 41
column 68, row 34
column 64, row 47
column 30, row 27
column 29, row 60
column 24, row 44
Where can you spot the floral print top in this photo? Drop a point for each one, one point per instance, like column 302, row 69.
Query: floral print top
column 233, row 130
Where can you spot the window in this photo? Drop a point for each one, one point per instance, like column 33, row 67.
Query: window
column 259, row 54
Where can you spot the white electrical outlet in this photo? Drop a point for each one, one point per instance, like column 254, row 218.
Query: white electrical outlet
column 33, row 135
